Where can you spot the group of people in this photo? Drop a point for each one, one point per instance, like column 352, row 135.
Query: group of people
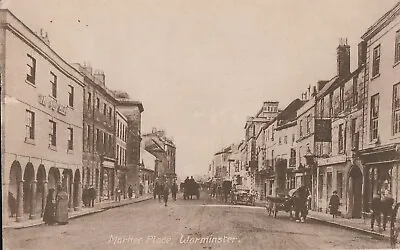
column 56, row 210
column 381, row 206
column 190, row 188
column 88, row 196
column 162, row 191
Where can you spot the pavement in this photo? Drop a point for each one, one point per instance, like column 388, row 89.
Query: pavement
column 187, row 224
column 357, row 225
column 98, row 207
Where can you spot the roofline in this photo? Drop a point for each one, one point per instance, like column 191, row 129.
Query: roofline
column 129, row 103
column 382, row 22
column 34, row 44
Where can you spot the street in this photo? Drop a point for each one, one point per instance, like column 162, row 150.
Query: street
column 193, row 224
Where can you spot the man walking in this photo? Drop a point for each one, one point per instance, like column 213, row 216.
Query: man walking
column 165, row 193
column 174, row 190
column 387, row 209
column 376, row 211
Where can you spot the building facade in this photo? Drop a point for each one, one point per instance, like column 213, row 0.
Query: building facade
column 99, row 134
column 381, row 130
column 120, row 153
column 164, row 149
column 42, row 110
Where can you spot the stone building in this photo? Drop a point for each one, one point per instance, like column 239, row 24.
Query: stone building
column 164, row 149
column 41, row 121
column 381, row 125
column 132, row 110
column 339, row 106
column 120, row 153
column 99, row 133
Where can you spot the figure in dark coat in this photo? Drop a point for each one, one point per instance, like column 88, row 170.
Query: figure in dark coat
column 174, row 190
column 387, row 208
column 156, row 190
column 85, row 196
column 92, row 196
column 376, row 211
column 334, row 204
column 61, row 215
column 130, row 191
column 160, row 194
column 186, row 191
column 300, row 203
column 165, row 193
column 226, row 186
column 49, row 210
column 12, row 204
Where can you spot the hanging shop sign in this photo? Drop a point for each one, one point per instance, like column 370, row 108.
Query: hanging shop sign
column 52, row 104
column 323, row 130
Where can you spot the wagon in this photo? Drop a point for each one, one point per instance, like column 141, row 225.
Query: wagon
column 275, row 204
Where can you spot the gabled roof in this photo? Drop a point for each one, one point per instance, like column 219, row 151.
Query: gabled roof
column 290, row 112
column 382, row 22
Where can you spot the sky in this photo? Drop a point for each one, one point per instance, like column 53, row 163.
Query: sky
column 201, row 67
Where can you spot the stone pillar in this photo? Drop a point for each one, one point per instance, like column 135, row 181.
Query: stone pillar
column 20, row 199
column 71, row 198
column 44, row 201
column 32, row 212
column 79, row 198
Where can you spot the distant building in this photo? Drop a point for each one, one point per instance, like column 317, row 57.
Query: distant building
column 164, row 149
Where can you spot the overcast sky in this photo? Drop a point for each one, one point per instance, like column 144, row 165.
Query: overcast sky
column 200, row 67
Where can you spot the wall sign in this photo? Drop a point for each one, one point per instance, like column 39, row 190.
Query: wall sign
column 52, row 104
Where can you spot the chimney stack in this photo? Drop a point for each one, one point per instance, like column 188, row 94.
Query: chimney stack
column 100, row 78
column 362, row 53
column 343, row 59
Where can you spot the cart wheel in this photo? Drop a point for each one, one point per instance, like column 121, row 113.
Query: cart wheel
column 395, row 227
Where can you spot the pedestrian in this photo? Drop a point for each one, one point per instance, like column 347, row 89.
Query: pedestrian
column 309, row 202
column 174, row 190
column 156, row 190
column 118, row 192
column 226, row 186
column 186, row 190
column 12, row 204
column 85, row 196
column 61, row 215
column 49, row 210
column 387, row 203
column 130, row 191
column 165, row 194
column 300, row 203
column 92, row 196
column 376, row 211
column 160, row 193
column 334, row 204
column 141, row 189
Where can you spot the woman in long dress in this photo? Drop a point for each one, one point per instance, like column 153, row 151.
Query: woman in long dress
column 61, row 216
column 49, row 211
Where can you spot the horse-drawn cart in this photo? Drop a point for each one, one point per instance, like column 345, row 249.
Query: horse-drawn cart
column 275, row 204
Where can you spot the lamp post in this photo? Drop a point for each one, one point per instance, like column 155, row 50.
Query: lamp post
column 311, row 161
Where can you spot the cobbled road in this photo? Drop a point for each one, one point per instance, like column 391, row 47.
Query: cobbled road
column 192, row 224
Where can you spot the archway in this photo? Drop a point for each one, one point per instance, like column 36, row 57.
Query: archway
column 355, row 192
column 41, row 192
column 77, row 183
column 54, row 178
column 29, row 176
column 15, row 179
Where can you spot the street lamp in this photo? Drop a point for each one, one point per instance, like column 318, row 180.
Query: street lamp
column 311, row 161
